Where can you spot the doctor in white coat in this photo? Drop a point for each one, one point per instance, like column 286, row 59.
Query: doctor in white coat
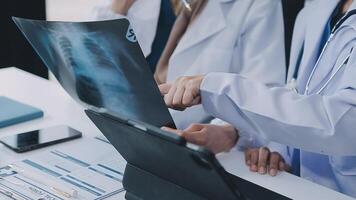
column 317, row 115
column 152, row 21
column 237, row 36
column 142, row 14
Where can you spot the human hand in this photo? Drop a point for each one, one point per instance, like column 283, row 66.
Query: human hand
column 183, row 93
column 262, row 160
column 213, row 137
column 122, row 6
column 160, row 76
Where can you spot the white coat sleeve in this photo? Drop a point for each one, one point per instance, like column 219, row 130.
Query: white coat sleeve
column 245, row 140
column 316, row 123
column 143, row 16
column 255, row 41
column 260, row 53
column 253, row 141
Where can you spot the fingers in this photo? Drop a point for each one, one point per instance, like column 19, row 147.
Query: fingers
column 178, row 95
column 189, row 95
column 274, row 163
column 168, row 98
column 254, row 160
column 248, row 157
column 194, row 127
column 261, row 160
column 164, row 88
column 263, row 156
column 172, row 98
column 284, row 166
column 178, row 132
column 182, row 96
column 251, row 159
column 196, row 101
column 196, row 137
column 257, row 159
column 193, row 134
column 183, row 93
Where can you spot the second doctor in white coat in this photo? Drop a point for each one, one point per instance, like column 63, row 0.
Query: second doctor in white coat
column 238, row 36
column 143, row 16
column 318, row 117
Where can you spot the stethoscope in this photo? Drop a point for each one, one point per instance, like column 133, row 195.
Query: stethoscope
column 292, row 83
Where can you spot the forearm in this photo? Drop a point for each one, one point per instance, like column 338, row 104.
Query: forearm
column 282, row 115
column 176, row 34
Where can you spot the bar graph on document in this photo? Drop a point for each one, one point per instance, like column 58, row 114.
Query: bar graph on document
column 90, row 169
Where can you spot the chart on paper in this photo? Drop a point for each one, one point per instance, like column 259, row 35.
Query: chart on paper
column 92, row 169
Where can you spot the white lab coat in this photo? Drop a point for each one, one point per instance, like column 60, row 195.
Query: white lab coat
column 143, row 16
column 323, row 123
column 238, row 36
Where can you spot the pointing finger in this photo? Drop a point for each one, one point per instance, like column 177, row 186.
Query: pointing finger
column 164, row 88
column 178, row 132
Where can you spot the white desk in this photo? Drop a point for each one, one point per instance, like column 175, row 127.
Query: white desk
column 59, row 108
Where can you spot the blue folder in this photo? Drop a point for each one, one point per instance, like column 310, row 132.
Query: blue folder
column 14, row 112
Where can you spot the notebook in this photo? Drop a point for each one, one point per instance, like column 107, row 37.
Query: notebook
column 14, row 112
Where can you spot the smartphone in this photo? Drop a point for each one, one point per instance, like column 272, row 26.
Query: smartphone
column 28, row 141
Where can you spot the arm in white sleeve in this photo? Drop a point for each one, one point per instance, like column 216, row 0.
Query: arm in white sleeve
column 254, row 141
column 270, row 69
column 245, row 140
column 143, row 16
column 317, row 123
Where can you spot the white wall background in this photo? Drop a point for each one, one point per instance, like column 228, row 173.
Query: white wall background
column 71, row 10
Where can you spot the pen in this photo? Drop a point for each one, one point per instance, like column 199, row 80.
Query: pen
column 59, row 189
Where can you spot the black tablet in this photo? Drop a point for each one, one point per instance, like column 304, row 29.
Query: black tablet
column 171, row 158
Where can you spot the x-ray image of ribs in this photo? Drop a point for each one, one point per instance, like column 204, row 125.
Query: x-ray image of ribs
column 99, row 66
column 98, row 79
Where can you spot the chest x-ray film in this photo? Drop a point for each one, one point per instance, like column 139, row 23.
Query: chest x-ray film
column 101, row 65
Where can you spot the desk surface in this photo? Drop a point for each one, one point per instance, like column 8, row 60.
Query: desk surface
column 59, row 108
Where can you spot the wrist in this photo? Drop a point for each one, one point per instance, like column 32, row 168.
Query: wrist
column 232, row 134
column 200, row 80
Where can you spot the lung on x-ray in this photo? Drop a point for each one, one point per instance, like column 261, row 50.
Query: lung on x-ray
column 101, row 65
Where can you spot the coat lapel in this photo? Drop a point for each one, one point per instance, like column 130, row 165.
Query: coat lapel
column 318, row 18
column 210, row 22
column 335, row 55
column 316, row 26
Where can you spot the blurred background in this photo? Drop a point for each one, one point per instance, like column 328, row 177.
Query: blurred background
column 15, row 51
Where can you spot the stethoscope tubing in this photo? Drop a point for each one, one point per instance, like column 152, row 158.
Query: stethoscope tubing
column 344, row 62
column 333, row 32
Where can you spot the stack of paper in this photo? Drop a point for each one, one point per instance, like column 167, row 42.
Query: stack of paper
column 82, row 168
